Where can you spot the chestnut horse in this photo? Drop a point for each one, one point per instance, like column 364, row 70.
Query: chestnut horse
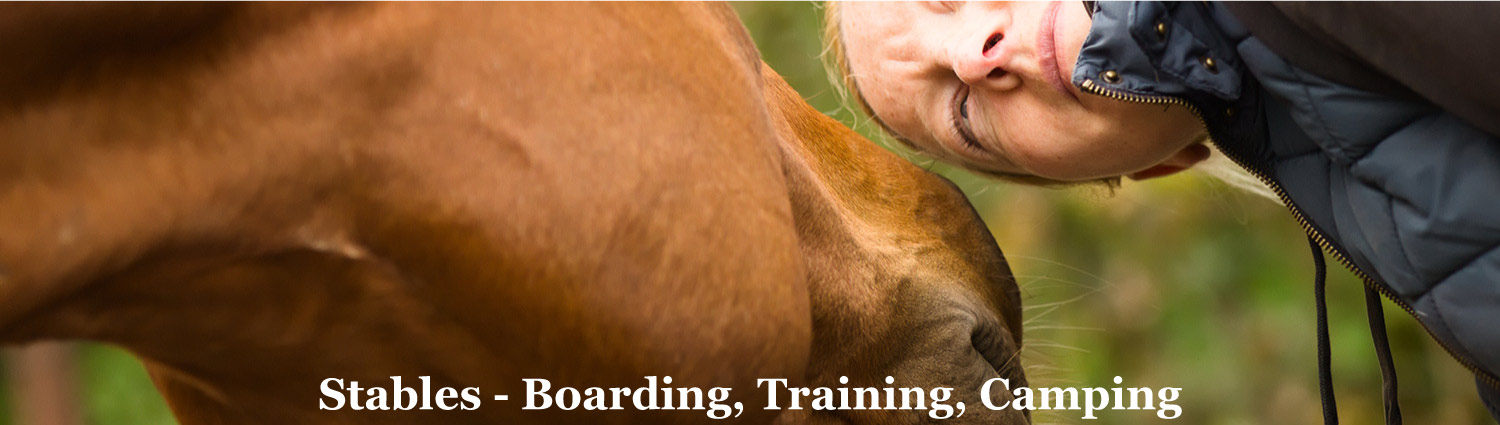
column 253, row 198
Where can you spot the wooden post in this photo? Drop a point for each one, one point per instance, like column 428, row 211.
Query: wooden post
column 43, row 384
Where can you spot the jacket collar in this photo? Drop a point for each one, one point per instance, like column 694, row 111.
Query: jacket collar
column 1163, row 49
column 1156, row 52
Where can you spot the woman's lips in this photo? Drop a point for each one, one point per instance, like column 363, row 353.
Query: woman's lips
column 1046, row 47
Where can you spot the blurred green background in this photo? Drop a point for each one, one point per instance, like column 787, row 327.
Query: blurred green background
column 1180, row 282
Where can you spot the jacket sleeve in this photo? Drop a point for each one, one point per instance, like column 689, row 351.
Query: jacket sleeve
column 1439, row 51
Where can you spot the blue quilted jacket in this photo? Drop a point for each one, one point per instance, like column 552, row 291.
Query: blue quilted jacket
column 1396, row 188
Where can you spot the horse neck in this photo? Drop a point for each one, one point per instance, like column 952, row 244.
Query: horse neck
column 879, row 216
column 851, row 174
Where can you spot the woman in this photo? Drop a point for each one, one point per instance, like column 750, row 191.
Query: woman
column 1367, row 120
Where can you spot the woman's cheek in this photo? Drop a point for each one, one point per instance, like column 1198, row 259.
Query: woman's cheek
column 1088, row 155
column 1073, row 27
column 1062, row 159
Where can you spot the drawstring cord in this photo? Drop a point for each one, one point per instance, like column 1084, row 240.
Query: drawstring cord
column 1377, row 332
column 1325, row 376
column 1383, row 351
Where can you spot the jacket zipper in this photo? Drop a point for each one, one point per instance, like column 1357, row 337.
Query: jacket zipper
column 1093, row 88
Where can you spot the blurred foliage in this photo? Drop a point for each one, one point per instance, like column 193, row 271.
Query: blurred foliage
column 1178, row 282
column 114, row 389
column 1181, row 282
column 118, row 391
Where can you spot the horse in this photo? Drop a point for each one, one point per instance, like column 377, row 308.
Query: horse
column 256, row 199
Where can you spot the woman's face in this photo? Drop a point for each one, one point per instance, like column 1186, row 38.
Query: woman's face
column 987, row 85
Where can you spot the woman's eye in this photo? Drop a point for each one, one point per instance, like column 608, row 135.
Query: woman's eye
column 950, row 6
column 963, row 106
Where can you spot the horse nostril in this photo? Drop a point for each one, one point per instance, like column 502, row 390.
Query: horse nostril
column 991, row 42
column 996, row 347
column 986, row 341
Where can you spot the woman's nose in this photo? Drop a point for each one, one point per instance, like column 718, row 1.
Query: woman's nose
column 983, row 64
